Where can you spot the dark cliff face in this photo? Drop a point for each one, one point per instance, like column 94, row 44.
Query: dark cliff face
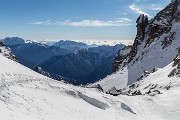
column 150, row 31
column 142, row 23
column 120, row 58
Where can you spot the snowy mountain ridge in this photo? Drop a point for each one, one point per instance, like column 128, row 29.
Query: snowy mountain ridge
column 155, row 46
column 13, row 41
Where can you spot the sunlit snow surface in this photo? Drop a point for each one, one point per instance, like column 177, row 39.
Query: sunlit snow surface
column 31, row 96
column 27, row 95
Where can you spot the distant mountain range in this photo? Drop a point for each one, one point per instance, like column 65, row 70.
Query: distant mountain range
column 83, row 66
column 74, row 62
column 32, row 54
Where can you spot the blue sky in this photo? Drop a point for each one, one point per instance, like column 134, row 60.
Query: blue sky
column 74, row 19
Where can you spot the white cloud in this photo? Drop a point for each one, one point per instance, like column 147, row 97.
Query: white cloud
column 123, row 20
column 138, row 10
column 156, row 7
column 89, row 23
column 41, row 23
column 144, row 9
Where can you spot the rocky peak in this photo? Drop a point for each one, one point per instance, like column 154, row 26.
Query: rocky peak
column 163, row 22
column 151, row 31
column 129, row 52
column 155, row 46
column 142, row 23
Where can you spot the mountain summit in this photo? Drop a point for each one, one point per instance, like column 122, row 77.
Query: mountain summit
column 156, row 45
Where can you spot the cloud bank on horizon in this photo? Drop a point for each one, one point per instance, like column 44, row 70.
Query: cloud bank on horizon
column 69, row 19
column 87, row 23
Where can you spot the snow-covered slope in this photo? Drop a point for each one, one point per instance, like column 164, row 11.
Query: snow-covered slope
column 31, row 96
column 156, row 82
column 156, row 92
column 27, row 95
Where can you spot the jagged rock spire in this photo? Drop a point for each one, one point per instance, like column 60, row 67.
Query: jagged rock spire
column 142, row 23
